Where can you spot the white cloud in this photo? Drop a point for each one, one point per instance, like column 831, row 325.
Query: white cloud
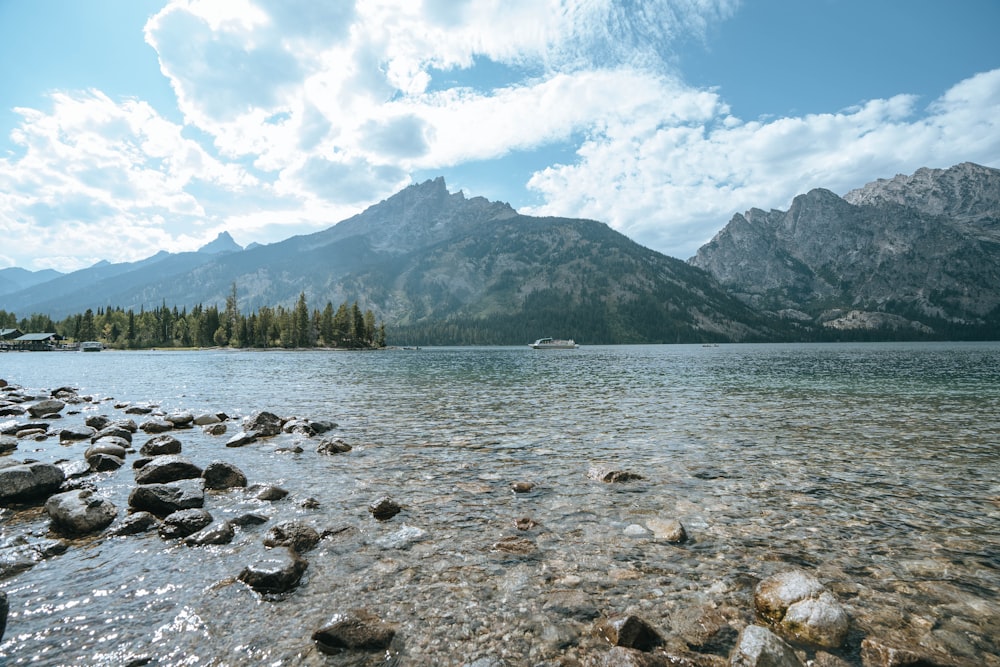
column 672, row 186
column 296, row 114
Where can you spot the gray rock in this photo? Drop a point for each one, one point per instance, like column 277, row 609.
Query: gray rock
column 215, row 429
column 206, row 419
column 670, row 530
column 184, row 522
column 49, row 406
column 161, row 444
column 101, row 462
column 181, row 419
column 384, row 508
column 610, row 475
column 29, row 481
column 820, row 621
column 332, row 446
column 76, row 433
column 240, row 439
column 263, row 424
column 267, row 492
column 80, row 512
column 108, row 445
column 220, row 532
column 295, row 535
column 8, row 443
column 115, row 430
column 156, row 426
column 167, row 468
column 276, row 571
column 759, row 647
column 133, row 524
column 630, row 632
column 97, row 421
column 354, row 632
column 776, row 593
column 162, row 499
column 222, row 475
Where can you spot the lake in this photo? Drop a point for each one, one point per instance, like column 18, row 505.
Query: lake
column 875, row 467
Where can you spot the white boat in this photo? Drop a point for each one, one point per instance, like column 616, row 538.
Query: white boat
column 91, row 346
column 553, row 344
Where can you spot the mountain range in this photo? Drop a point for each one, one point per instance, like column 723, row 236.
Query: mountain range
column 914, row 256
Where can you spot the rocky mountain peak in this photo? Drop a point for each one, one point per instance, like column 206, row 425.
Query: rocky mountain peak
column 223, row 243
column 966, row 191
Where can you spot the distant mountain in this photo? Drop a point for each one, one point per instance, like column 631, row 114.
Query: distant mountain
column 15, row 279
column 438, row 267
column 914, row 255
column 223, row 243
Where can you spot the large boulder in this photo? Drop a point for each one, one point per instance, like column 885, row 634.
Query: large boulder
column 161, row 444
column 276, row 571
column 167, row 468
column 222, row 475
column 80, row 512
column 29, row 480
column 263, row 424
column 50, row 406
column 163, row 499
column 802, row 608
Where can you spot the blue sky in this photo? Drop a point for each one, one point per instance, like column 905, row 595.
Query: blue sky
column 133, row 126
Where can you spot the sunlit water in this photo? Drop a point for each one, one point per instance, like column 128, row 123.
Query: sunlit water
column 875, row 467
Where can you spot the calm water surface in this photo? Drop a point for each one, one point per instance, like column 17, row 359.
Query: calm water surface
column 875, row 467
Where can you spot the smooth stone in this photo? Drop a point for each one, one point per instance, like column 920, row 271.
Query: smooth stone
column 240, row 439
column 821, row 621
column 80, row 512
column 267, row 492
column 776, row 593
column 354, row 632
column 76, row 433
column 277, row 571
column 29, row 480
column 180, row 419
column 522, row 487
column 292, row 534
column 8, row 443
column 402, row 539
column 111, row 446
column 133, row 524
column 156, row 426
column 167, row 468
column 184, row 522
column 101, row 462
column 332, row 446
column 222, row 475
column 670, row 530
column 162, row 499
column 759, row 647
column 49, row 406
column 220, row 532
column 161, row 444
column 206, row 419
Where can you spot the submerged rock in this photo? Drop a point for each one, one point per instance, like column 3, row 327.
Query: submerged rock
column 670, row 530
column 332, row 446
column 80, row 512
column 220, row 532
column 610, row 475
column 277, row 571
column 133, row 524
column 354, row 632
column 630, row 632
column 759, row 647
column 384, row 508
column 802, row 608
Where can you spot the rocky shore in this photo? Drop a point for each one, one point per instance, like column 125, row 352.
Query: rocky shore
column 794, row 617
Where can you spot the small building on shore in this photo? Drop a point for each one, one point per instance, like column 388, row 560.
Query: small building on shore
column 36, row 342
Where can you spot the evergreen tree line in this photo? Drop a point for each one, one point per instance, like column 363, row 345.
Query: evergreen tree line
column 207, row 326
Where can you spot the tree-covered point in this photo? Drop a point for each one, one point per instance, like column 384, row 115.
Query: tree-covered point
column 206, row 326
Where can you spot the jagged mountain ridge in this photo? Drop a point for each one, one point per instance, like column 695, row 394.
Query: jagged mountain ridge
column 426, row 258
column 919, row 252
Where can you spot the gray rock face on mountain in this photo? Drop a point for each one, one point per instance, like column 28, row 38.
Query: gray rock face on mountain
column 918, row 253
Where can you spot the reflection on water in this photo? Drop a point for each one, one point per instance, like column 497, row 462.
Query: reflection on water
column 874, row 466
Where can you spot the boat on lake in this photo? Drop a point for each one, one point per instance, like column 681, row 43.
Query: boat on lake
column 91, row 346
column 553, row 344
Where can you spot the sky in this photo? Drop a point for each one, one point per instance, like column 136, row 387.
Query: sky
column 133, row 126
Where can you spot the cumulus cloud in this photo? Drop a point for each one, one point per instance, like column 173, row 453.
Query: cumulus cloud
column 297, row 114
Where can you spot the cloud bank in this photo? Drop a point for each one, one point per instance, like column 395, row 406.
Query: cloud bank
column 296, row 115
